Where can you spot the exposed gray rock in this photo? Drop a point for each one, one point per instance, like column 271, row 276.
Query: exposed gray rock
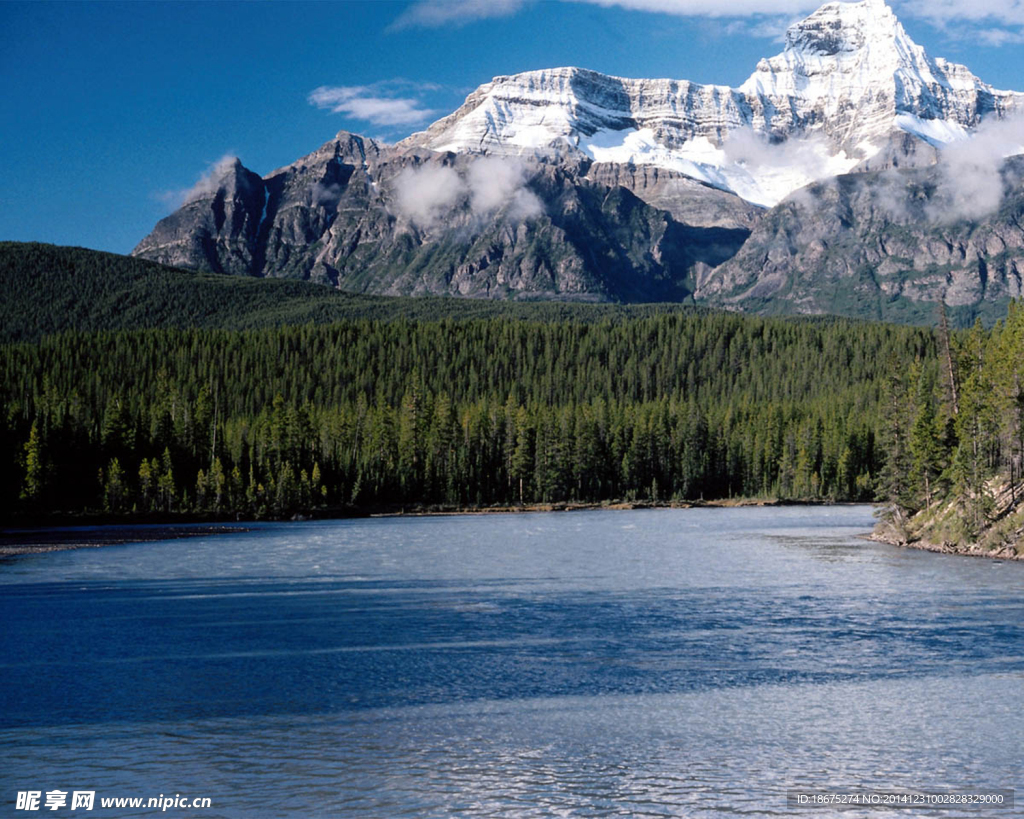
column 689, row 201
column 878, row 245
column 215, row 230
column 335, row 217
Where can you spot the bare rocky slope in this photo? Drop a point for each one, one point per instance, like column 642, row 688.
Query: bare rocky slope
column 876, row 245
column 335, row 217
column 818, row 186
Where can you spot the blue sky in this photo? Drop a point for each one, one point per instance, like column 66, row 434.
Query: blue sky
column 110, row 110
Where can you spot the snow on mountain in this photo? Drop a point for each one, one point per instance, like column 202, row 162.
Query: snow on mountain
column 848, row 79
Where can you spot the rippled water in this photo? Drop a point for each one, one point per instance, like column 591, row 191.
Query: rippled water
column 662, row 662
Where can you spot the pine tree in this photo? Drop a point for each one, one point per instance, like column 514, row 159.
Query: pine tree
column 895, row 478
column 165, row 485
column 926, row 447
column 522, row 456
column 115, row 491
column 970, row 469
column 217, row 485
column 32, row 486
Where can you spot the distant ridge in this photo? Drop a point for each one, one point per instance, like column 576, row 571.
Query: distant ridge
column 51, row 289
column 837, row 179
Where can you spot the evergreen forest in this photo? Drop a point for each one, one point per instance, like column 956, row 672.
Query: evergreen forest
column 377, row 404
column 459, row 413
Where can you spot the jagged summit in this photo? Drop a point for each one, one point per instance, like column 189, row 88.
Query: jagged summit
column 854, row 67
column 839, row 52
column 654, row 190
column 848, row 80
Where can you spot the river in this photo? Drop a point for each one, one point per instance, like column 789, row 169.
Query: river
column 606, row 663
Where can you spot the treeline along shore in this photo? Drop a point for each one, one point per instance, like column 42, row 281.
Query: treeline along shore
column 282, row 421
column 362, row 414
column 953, row 439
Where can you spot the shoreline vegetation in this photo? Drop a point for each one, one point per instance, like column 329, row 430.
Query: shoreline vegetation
column 936, row 529
column 953, row 479
column 398, row 404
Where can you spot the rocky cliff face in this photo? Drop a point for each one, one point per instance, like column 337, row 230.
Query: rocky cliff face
column 810, row 188
column 337, row 216
column 878, row 245
column 214, row 231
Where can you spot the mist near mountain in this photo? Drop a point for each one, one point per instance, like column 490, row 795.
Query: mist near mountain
column 851, row 173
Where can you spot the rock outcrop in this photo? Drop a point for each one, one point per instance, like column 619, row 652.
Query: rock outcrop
column 814, row 187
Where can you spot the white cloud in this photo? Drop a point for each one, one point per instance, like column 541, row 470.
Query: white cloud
column 426, row 195
column 712, row 8
column 379, row 104
column 436, row 13
column 970, row 183
column 993, row 14
column 443, row 12
column 999, row 36
column 207, row 183
column 808, row 156
column 494, row 183
column 1007, row 12
column 767, row 28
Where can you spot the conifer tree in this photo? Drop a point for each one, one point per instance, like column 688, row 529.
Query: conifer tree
column 32, row 486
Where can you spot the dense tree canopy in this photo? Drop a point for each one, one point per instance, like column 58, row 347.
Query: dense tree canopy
column 955, row 433
column 492, row 411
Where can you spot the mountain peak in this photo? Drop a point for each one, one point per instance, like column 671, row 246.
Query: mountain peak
column 838, row 28
column 843, row 50
column 849, row 81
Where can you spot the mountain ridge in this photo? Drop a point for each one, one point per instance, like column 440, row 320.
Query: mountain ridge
column 849, row 74
column 581, row 186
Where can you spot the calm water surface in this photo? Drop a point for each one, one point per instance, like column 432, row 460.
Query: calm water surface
column 647, row 663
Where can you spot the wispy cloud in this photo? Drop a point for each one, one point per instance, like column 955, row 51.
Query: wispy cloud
column 435, row 13
column 428, row 194
column 1006, row 12
column 712, row 8
column 207, row 184
column 993, row 22
column 387, row 103
column 999, row 36
column 442, row 12
column 970, row 172
column 766, row 28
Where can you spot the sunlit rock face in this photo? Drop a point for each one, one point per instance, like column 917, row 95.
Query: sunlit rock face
column 848, row 82
column 823, row 184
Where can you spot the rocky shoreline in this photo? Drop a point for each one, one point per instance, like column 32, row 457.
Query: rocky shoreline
column 947, row 547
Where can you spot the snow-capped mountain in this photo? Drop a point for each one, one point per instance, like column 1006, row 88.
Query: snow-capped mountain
column 655, row 190
column 849, row 80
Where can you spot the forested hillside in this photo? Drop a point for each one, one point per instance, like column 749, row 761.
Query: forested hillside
column 362, row 413
column 456, row 402
column 954, row 442
column 49, row 289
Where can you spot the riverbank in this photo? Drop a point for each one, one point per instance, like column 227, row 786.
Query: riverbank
column 948, row 547
column 729, row 503
column 64, row 533
column 939, row 528
column 14, row 542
